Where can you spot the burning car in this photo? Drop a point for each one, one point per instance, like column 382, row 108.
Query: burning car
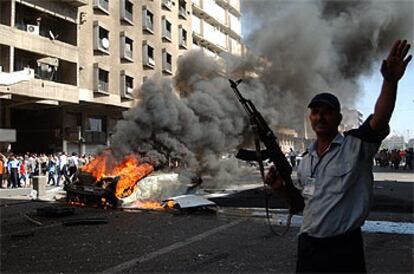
column 127, row 183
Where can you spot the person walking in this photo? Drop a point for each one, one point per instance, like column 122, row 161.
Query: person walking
column 51, row 170
column 62, row 165
column 335, row 176
column 73, row 164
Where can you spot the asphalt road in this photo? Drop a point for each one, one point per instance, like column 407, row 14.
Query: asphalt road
column 197, row 242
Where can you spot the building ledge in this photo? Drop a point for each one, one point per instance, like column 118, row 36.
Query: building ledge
column 77, row 3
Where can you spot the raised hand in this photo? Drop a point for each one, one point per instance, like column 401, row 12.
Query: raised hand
column 394, row 66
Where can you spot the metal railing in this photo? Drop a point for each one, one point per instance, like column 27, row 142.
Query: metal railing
column 182, row 12
column 167, row 66
column 166, row 34
column 102, row 85
column 104, row 4
column 95, row 137
column 128, row 53
column 128, row 15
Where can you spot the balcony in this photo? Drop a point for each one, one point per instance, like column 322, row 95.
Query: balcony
column 127, row 8
column 167, row 68
column 56, row 29
column 128, row 54
column 102, row 5
column 95, row 137
column 127, row 84
column 182, row 12
column 167, row 4
column 166, row 34
column 126, row 46
column 148, row 19
column 103, row 86
column 77, row 3
column 101, row 39
column 128, row 16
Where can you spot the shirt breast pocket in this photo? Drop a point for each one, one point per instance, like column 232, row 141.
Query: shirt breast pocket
column 337, row 177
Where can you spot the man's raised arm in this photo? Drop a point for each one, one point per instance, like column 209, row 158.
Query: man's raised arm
column 392, row 70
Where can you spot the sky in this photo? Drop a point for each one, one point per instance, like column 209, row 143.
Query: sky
column 402, row 122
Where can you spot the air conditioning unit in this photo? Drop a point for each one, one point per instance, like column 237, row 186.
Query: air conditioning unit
column 32, row 29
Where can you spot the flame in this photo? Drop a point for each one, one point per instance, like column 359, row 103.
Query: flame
column 149, row 204
column 129, row 170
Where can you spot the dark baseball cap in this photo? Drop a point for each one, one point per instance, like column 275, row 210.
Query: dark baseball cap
column 327, row 99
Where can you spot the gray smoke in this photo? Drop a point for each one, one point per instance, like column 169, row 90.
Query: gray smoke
column 314, row 46
column 304, row 47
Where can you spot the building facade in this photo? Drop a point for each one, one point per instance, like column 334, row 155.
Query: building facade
column 69, row 68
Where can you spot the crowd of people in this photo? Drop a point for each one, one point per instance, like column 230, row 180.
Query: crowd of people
column 395, row 158
column 17, row 170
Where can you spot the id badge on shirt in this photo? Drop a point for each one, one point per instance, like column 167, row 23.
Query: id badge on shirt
column 309, row 187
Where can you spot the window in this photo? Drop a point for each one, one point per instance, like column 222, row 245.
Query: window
column 127, row 86
column 147, row 20
column 95, row 130
column 101, row 80
column 166, row 4
column 102, row 5
column 182, row 39
column 166, row 62
column 166, row 29
column 148, row 56
column 94, row 124
column 126, row 48
column 127, row 11
column 101, row 39
column 182, row 9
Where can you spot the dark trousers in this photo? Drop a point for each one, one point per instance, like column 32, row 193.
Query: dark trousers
column 14, row 176
column 342, row 253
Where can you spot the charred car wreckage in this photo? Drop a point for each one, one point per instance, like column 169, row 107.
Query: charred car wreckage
column 129, row 184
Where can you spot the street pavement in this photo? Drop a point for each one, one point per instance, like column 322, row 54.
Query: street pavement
column 234, row 238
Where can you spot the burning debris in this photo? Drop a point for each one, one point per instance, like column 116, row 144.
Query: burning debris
column 127, row 183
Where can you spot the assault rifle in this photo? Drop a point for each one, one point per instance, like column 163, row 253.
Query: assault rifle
column 288, row 192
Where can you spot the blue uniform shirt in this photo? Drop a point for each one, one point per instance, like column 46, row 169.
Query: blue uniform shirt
column 338, row 186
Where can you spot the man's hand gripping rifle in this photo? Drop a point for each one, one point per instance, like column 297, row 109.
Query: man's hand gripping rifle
column 263, row 133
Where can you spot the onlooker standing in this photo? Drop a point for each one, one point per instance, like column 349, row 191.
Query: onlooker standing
column 73, row 164
column 62, row 162
column 1, row 170
column 43, row 159
column 22, row 172
column 409, row 158
column 13, row 169
column 395, row 158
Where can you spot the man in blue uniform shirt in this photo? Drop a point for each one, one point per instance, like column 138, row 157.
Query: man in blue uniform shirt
column 335, row 176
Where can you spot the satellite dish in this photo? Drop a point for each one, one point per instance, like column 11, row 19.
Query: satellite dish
column 105, row 43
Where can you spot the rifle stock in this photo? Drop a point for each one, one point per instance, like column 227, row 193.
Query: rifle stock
column 291, row 194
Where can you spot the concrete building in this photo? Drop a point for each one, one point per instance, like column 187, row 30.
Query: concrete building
column 216, row 26
column 69, row 68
